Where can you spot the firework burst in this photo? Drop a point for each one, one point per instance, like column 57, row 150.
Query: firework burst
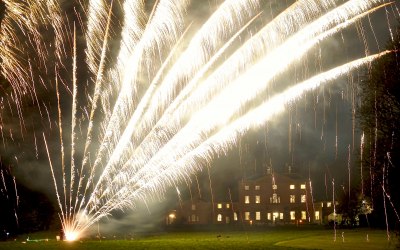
column 169, row 96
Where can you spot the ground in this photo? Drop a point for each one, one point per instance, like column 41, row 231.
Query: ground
column 247, row 239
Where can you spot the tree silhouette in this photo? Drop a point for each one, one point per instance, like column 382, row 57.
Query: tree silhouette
column 379, row 120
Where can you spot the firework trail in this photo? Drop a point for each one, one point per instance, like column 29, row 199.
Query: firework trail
column 170, row 97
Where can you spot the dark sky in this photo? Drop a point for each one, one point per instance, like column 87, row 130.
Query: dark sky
column 309, row 148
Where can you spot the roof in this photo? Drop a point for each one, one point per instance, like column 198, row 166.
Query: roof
column 277, row 176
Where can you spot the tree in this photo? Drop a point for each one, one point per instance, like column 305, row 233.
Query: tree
column 8, row 201
column 379, row 120
column 35, row 211
column 22, row 209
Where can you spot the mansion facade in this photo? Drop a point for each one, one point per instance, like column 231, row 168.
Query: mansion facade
column 271, row 199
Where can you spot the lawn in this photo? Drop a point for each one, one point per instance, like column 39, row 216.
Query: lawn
column 248, row 239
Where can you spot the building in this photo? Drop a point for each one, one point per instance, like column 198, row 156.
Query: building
column 270, row 199
column 226, row 213
column 278, row 199
column 200, row 212
column 192, row 212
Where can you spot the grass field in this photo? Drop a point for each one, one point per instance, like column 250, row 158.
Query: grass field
column 249, row 239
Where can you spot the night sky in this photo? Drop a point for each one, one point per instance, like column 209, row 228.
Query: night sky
column 303, row 137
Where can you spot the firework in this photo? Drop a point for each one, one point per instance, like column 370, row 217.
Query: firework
column 171, row 97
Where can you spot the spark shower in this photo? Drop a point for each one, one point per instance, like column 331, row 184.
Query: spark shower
column 157, row 105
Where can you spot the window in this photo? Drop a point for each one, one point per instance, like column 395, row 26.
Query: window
column 235, row 218
column 227, row 220
column 303, row 215
column 292, row 215
column 257, row 187
column 258, row 215
column 316, row 215
column 193, row 217
column 328, row 204
column 274, row 186
column 281, row 216
column 258, row 199
column 303, row 186
column 292, row 198
column 246, row 215
column 246, row 187
column 275, row 199
column 219, row 217
column 193, row 207
column 269, row 216
column 303, row 198
column 219, row 205
column 292, row 186
column 228, row 205
column 275, row 216
column 246, row 199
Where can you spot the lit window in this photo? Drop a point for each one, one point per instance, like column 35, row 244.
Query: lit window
column 291, row 186
column 257, row 187
column 228, row 205
column 303, row 215
column 292, row 198
column 246, row 199
column 246, row 187
column 281, row 216
column 219, row 205
column 328, row 204
column 258, row 199
column 275, row 216
column 247, row 215
column 219, row 217
column 193, row 207
column 275, row 199
column 303, row 186
column 258, row 215
column 316, row 215
column 274, row 186
column 292, row 215
column 322, row 204
column 269, row 216
column 235, row 218
column 303, row 198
